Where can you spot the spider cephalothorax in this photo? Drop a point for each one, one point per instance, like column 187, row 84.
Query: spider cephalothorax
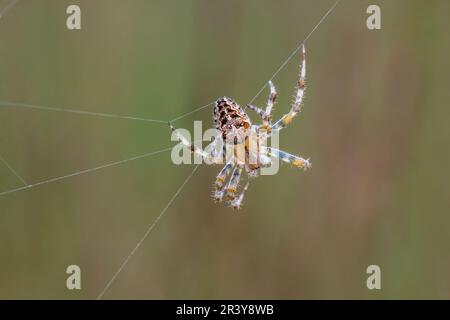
column 243, row 144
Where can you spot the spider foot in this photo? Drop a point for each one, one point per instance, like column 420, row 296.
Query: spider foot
column 218, row 195
column 231, row 193
column 302, row 163
column 235, row 204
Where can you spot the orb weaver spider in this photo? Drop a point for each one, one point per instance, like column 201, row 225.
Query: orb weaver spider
column 235, row 128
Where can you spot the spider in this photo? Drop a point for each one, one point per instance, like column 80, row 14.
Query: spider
column 237, row 133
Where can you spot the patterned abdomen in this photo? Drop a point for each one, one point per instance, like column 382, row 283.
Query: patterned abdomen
column 230, row 119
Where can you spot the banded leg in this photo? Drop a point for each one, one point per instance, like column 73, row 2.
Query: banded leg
column 233, row 184
column 297, row 104
column 266, row 115
column 289, row 158
column 258, row 110
column 220, row 180
column 270, row 102
column 208, row 157
column 236, row 203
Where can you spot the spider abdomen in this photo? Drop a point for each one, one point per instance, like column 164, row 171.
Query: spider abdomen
column 230, row 119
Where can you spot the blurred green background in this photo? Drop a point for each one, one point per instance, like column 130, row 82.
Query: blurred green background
column 375, row 124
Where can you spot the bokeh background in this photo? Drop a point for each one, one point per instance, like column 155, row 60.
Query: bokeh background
column 375, row 124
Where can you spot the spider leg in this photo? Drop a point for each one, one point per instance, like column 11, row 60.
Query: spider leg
column 296, row 105
column 258, row 110
column 208, row 157
column 270, row 102
column 236, row 203
column 220, row 180
column 233, row 183
column 266, row 115
column 296, row 161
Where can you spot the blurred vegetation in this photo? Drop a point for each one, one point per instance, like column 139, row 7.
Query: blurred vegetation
column 375, row 124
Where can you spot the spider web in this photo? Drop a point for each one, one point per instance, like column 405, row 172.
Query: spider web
column 26, row 186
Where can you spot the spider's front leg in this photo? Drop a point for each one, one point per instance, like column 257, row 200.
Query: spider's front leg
column 296, row 161
column 297, row 104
